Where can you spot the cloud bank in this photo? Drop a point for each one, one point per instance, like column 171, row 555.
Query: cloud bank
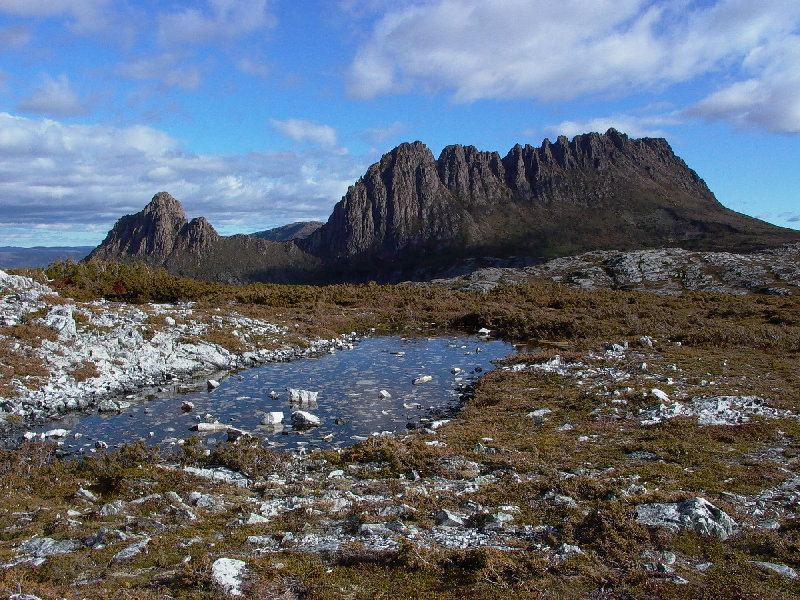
column 554, row 52
column 81, row 179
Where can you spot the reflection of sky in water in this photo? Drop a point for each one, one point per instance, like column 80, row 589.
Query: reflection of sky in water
column 349, row 402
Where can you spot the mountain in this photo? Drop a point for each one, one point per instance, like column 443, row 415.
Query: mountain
column 412, row 216
column 293, row 231
column 13, row 257
column 160, row 236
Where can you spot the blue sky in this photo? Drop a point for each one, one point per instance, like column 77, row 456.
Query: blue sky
column 258, row 113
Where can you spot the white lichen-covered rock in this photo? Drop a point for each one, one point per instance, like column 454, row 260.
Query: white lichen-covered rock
column 302, row 397
column 43, row 547
column 60, row 320
column 130, row 551
column 784, row 570
column 695, row 514
column 716, row 410
column 302, row 419
column 228, row 574
column 272, row 418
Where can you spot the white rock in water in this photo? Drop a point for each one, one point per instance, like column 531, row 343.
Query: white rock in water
column 187, row 406
column 302, row 396
column 228, row 573
column 209, row 427
column 422, row 379
column 302, row 419
column 212, row 384
column 272, row 418
column 484, row 331
column 57, row 433
column 384, row 394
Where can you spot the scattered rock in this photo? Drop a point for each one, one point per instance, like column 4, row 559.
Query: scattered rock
column 695, row 514
column 133, row 550
column 422, row 379
column 787, row 572
column 228, row 574
column 44, row 547
column 445, row 518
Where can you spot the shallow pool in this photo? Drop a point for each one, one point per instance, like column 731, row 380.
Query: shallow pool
column 360, row 392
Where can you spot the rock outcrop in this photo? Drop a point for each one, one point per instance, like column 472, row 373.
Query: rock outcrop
column 775, row 271
column 412, row 216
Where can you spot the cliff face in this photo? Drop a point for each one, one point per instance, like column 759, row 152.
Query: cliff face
column 412, row 216
column 596, row 191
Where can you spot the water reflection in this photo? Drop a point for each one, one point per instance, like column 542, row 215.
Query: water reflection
column 385, row 384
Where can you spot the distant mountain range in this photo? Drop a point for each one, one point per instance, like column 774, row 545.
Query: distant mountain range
column 412, row 216
column 12, row 257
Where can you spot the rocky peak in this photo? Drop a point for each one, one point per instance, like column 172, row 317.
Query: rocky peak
column 148, row 235
column 400, row 203
column 164, row 206
column 155, row 233
column 196, row 236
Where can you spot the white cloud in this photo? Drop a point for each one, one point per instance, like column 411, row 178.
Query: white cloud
column 87, row 16
column 54, row 97
column 551, row 52
column 634, row 126
column 223, row 19
column 249, row 66
column 15, row 38
column 300, row 130
column 769, row 99
column 378, row 135
column 84, row 177
column 168, row 69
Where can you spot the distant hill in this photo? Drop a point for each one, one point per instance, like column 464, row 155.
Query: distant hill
column 412, row 216
column 293, row 231
column 12, row 257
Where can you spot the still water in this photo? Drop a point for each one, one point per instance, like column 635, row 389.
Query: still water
column 351, row 402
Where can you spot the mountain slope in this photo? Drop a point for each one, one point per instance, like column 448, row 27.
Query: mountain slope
column 292, row 231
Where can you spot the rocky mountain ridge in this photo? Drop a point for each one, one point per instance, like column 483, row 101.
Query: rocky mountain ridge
column 412, row 216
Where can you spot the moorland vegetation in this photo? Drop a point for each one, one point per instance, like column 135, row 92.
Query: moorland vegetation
column 570, row 476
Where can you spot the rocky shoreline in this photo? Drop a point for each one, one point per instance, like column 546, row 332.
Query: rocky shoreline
column 101, row 355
